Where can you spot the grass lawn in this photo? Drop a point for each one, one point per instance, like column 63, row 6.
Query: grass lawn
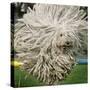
column 78, row 75
column 23, row 79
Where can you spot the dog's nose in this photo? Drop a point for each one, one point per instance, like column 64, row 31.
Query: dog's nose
column 68, row 43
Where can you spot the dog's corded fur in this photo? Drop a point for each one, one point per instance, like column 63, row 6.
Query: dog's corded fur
column 46, row 39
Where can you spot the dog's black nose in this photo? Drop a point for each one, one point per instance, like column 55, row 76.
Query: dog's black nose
column 61, row 35
column 68, row 43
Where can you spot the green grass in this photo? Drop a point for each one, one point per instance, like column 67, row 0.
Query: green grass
column 78, row 75
column 23, row 79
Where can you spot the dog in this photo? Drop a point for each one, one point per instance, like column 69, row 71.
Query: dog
column 47, row 38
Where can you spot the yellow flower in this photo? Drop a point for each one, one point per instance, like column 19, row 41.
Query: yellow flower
column 16, row 63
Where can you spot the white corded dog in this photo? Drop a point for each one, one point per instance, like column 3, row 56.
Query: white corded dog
column 46, row 39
